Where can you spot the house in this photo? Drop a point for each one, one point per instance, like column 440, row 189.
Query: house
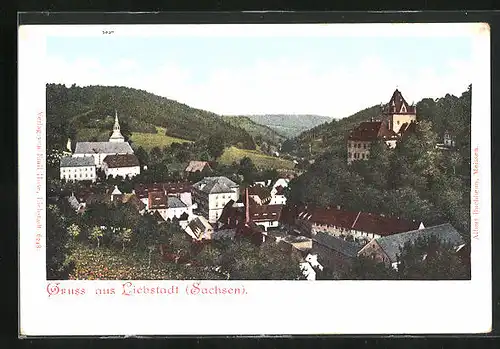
column 77, row 205
column 182, row 190
column 361, row 138
column 397, row 120
column 198, row 166
column 386, row 249
column 333, row 253
column 211, row 194
column 116, row 195
column 169, row 207
column 448, row 142
column 279, row 197
column 199, row 229
column 265, row 216
column 77, row 169
column 361, row 226
column 99, row 150
column 124, row 165
column 259, row 194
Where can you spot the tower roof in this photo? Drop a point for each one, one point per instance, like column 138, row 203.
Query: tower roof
column 398, row 105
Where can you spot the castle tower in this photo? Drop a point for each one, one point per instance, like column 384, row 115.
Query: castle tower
column 117, row 135
column 398, row 112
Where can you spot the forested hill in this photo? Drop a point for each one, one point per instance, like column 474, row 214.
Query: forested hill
column 289, row 125
column 258, row 131
column 75, row 109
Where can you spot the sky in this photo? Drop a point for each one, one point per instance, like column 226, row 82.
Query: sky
column 230, row 75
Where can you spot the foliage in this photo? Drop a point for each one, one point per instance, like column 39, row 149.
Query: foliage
column 58, row 239
column 415, row 180
column 258, row 131
column 242, row 260
column 289, row 125
column 159, row 139
column 260, row 160
column 93, row 108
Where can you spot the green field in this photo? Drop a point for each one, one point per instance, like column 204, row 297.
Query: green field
column 151, row 140
column 260, row 160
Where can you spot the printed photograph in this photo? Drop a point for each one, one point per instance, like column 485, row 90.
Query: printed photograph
column 258, row 158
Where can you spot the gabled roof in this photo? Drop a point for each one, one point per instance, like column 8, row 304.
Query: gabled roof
column 103, row 147
column 407, row 129
column 85, row 161
column 195, row 166
column 262, row 192
column 198, row 226
column 444, row 232
column 121, row 160
column 336, row 244
column 370, row 131
column 174, row 202
column 215, row 185
column 398, row 105
column 176, row 188
column 280, row 190
column 136, row 202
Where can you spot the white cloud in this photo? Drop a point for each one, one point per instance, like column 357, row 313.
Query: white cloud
column 279, row 86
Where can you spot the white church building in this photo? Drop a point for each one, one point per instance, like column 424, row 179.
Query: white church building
column 99, row 150
column 115, row 157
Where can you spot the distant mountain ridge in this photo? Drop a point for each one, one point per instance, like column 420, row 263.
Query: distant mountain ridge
column 290, row 125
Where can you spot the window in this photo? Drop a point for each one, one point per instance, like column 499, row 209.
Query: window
column 350, row 155
column 398, row 122
column 364, row 146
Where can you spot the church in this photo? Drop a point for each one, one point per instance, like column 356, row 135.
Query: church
column 101, row 155
column 99, row 150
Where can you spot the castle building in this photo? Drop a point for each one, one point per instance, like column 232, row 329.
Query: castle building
column 100, row 150
column 398, row 112
column 397, row 120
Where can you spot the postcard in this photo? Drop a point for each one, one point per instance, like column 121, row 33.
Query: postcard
column 254, row 179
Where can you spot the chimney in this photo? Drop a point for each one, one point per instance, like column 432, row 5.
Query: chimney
column 149, row 201
column 247, row 208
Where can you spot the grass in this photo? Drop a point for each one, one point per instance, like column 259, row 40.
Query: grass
column 260, row 160
column 151, row 140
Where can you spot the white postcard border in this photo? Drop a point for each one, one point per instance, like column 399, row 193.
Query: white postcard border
column 267, row 307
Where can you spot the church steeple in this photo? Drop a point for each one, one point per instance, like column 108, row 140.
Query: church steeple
column 117, row 135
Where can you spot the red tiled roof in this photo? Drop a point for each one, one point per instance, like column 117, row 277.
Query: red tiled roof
column 382, row 225
column 262, row 192
column 142, row 190
column 370, row 131
column 263, row 213
column 360, row 221
column 121, row 160
column 396, row 104
column 157, row 200
column 176, row 188
column 195, row 166
column 231, row 216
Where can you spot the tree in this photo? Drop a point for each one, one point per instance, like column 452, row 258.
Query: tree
column 57, row 250
column 430, row 259
column 215, row 146
column 74, row 231
column 247, row 170
column 124, row 236
column 96, row 234
column 155, row 155
column 142, row 156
